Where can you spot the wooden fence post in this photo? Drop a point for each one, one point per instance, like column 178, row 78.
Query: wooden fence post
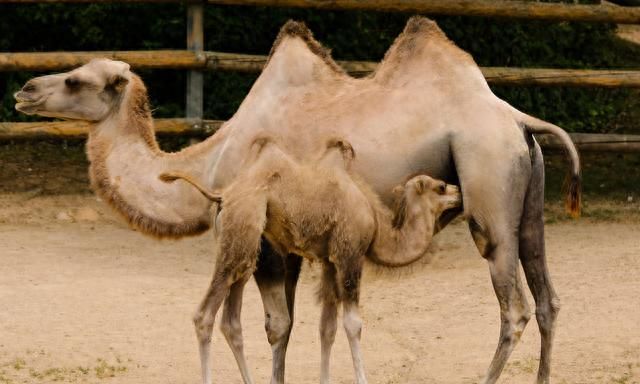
column 195, row 42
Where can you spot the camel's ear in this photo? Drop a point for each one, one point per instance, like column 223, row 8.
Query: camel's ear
column 116, row 83
column 420, row 186
column 397, row 191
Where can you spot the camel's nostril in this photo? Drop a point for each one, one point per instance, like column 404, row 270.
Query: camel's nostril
column 29, row 87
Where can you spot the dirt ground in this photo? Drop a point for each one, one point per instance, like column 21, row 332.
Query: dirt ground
column 83, row 299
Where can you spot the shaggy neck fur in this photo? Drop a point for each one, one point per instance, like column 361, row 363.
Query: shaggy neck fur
column 126, row 161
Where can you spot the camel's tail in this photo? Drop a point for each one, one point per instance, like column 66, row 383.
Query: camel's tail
column 169, row 177
column 573, row 182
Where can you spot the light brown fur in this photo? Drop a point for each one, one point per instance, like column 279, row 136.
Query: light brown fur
column 320, row 212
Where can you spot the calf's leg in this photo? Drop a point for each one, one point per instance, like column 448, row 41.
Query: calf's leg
column 231, row 328
column 349, row 273
column 238, row 242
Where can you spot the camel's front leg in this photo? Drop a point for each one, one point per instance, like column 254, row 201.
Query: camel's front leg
column 328, row 320
column 328, row 327
column 231, row 327
column 349, row 273
column 353, row 328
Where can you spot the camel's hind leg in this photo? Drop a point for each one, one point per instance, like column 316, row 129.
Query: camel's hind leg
column 231, row 327
column 494, row 223
column 204, row 319
column 241, row 227
column 205, row 315
column 534, row 263
column 514, row 309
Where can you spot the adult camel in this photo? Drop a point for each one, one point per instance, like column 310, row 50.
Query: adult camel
column 426, row 109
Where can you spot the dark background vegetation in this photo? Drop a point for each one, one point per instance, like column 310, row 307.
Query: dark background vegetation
column 59, row 166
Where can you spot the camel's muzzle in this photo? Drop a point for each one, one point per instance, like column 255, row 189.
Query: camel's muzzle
column 28, row 102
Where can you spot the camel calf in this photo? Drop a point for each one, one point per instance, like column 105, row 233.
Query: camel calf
column 320, row 212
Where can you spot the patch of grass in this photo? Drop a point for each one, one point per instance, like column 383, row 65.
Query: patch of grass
column 624, row 379
column 104, row 370
column 21, row 371
column 56, row 374
column 83, row 370
column 4, row 379
column 528, row 365
column 18, row 364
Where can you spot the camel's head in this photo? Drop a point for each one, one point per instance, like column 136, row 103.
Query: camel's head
column 89, row 92
column 426, row 193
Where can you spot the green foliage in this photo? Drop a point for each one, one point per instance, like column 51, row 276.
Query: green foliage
column 351, row 35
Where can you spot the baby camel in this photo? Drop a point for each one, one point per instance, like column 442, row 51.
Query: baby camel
column 320, row 212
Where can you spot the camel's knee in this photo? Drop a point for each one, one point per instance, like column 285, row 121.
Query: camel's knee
column 277, row 327
column 232, row 331
column 352, row 324
column 203, row 324
column 546, row 315
column 523, row 321
column 516, row 323
column 229, row 326
column 328, row 331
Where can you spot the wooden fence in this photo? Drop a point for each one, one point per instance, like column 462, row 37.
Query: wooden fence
column 196, row 60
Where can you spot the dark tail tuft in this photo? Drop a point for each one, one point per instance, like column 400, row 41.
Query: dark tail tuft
column 573, row 188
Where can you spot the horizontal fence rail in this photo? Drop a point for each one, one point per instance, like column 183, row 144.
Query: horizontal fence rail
column 196, row 127
column 218, row 61
column 594, row 142
column 488, row 8
column 76, row 129
column 516, row 9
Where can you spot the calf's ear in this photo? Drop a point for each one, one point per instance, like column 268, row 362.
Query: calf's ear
column 421, row 186
column 397, row 191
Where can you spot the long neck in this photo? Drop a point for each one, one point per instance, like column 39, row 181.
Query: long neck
column 126, row 162
column 402, row 245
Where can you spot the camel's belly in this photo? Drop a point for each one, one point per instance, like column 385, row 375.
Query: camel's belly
column 287, row 239
column 287, row 248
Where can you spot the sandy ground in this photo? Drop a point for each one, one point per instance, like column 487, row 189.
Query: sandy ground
column 83, row 299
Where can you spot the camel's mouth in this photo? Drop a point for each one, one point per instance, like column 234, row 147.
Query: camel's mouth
column 27, row 104
column 453, row 196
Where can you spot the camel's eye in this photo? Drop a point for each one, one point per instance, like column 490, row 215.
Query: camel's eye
column 442, row 188
column 72, row 82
